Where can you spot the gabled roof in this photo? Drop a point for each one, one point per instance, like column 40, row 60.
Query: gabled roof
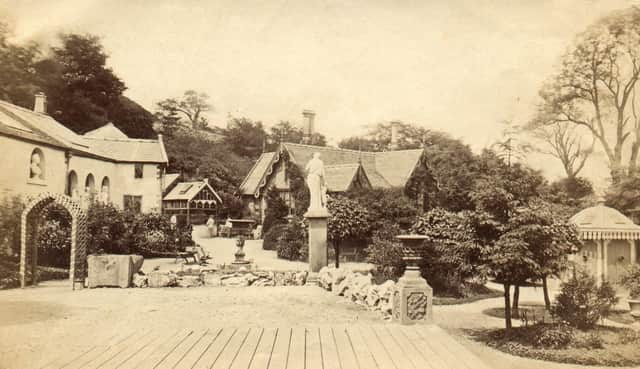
column 604, row 223
column 188, row 190
column 169, row 180
column 339, row 178
column 26, row 124
column 383, row 169
column 107, row 131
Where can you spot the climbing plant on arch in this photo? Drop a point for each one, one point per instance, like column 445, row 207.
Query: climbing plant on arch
column 29, row 237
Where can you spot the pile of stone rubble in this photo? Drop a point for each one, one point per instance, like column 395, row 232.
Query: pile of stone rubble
column 226, row 278
column 359, row 288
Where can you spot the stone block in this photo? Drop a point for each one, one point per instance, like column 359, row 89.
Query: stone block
column 112, row 270
column 140, row 280
column 212, row 279
column 412, row 299
column 190, row 281
column 160, row 279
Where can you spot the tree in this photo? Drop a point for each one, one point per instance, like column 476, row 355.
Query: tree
column 595, row 87
column 191, row 107
column 624, row 195
column 287, row 132
column 378, row 138
column 348, row 220
column 246, row 137
column 276, row 211
column 18, row 77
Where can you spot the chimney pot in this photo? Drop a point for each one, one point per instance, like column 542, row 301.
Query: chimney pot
column 40, row 104
column 395, row 125
column 308, row 129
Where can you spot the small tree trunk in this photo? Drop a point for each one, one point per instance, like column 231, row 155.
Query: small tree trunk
column 336, row 248
column 507, row 306
column 516, row 301
column 545, row 291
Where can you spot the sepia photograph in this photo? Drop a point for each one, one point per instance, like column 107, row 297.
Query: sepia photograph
column 319, row 184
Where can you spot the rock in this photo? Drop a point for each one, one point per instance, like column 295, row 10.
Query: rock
column 140, row 280
column 373, row 296
column 342, row 287
column 385, row 290
column 136, row 263
column 300, row 278
column 250, row 277
column 235, row 282
column 263, row 282
column 386, row 307
column 324, row 278
column 190, row 281
column 212, row 279
column 110, row 270
column 160, row 279
column 360, row 288
column 279, row 279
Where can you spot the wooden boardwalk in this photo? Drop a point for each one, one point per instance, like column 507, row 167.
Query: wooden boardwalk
column 336, row 347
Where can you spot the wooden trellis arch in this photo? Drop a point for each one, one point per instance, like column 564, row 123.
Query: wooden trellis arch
column 29, row 237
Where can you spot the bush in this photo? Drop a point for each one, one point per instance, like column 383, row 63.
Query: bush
column 270, row 240
column 386, row 206
column 630, row 279
column 385, row 252
column 276, row 212
column 54, row 237
column 10, row 212
column 554, row 336
column 293, row 241
column 581, row 303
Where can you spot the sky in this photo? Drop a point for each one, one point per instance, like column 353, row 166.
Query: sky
column 458, row 66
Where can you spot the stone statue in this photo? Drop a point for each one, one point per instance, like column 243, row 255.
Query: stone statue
column 36, row 171
column 316, row 183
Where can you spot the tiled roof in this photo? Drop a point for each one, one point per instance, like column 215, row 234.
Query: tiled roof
column 106, row 131
column 170, row 179
column 383, row 169
column 24, row 123
column 340, row 177
column 256, row 177
column 602, row 222
column 188, row 190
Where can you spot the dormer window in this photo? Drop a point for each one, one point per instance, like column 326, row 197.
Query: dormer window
column 138, row 170
column 37, row 166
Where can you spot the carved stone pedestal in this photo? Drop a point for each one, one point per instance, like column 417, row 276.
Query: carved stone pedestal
column 413, row 297
column 317, row 238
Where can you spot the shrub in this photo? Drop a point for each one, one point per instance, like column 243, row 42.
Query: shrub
column 630, row 279
column 385, row 252
column 348, row 220
column 386, row 206
column 54, row 237
column 553, row 336
column 276, row 212
column 110, row 230
column 581, row 303
column 10, row 212
column 270, row 240
column 293, row 240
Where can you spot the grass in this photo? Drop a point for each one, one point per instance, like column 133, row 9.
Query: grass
column 604, row 346
column 471, row 292
column 531, row 312
column 10, row 273
column 621, row 316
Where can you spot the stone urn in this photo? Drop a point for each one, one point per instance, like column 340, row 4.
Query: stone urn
column 413, row 297
column 239, row 254
column 634, row 306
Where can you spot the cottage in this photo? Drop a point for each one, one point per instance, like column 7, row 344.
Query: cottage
column 609, row 241
column 42, row 155
column 194, row 202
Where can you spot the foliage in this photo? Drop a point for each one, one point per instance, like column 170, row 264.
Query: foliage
column 270, row 241
column 18, row 77
column 348, row 220
column 284, row 131
column 110, row 229
column 245, row 137
column 54, row 236
column 11, row 208
column 582, row 303
column 385, row 252
column 192, row 107
column 297, row 184
column 630, row 279
column 625, row 194
column 570, row 192
column 385, row 206
column 276, row 211
column 293, row 244
column 555, row 336
column 453, row 254
column 10, row 273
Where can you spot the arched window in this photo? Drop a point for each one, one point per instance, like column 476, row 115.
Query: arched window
column 72, row 184
column 90, row 187
column 105, row 189
column 37, row 165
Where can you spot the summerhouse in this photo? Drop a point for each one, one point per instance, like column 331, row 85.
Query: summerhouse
column 192, row 202
column 610, row 241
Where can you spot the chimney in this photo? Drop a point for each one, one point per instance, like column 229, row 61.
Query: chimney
column 395, row 125
column 308, row 126
column 40, row 105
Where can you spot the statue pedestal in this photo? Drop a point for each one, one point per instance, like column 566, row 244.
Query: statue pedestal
column 412, row 299
column 317, row 238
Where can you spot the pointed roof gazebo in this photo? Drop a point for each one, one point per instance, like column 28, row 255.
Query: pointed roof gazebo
column 606, row 231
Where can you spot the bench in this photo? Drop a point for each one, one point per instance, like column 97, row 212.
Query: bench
column 239, row 227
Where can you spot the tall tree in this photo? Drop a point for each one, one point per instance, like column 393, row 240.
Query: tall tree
column 595, row 87
column 246, row 137
column 191, row 107
column 18, row 77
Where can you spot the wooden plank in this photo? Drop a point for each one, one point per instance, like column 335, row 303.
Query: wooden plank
column 427, row 350
column 215, row 348
column 198, row 349
column 313, row 359
column 77, row 352
column 456, row 348
column 232, row 350
column 126, row 351
column 380, row 355
column 155, row 358
column 395, row 352
column 263, row 351
column 138, row 358
column 129, row 354
column 329, row 350
column 345, row 352
column 280, row 352
column 100, row 353
column 297, row 349
column 408, row 349
column 361, row 349
column 435, row 339
column 248, row 349
column 181, row 350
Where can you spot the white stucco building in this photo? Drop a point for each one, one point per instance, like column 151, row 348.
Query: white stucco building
column 39, row 154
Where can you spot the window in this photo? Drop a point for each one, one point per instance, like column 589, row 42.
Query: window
column 105, row 191
column 36, row 165
column 132, row 203
column 72, row 184
column 138, row 168
column 89, row 187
